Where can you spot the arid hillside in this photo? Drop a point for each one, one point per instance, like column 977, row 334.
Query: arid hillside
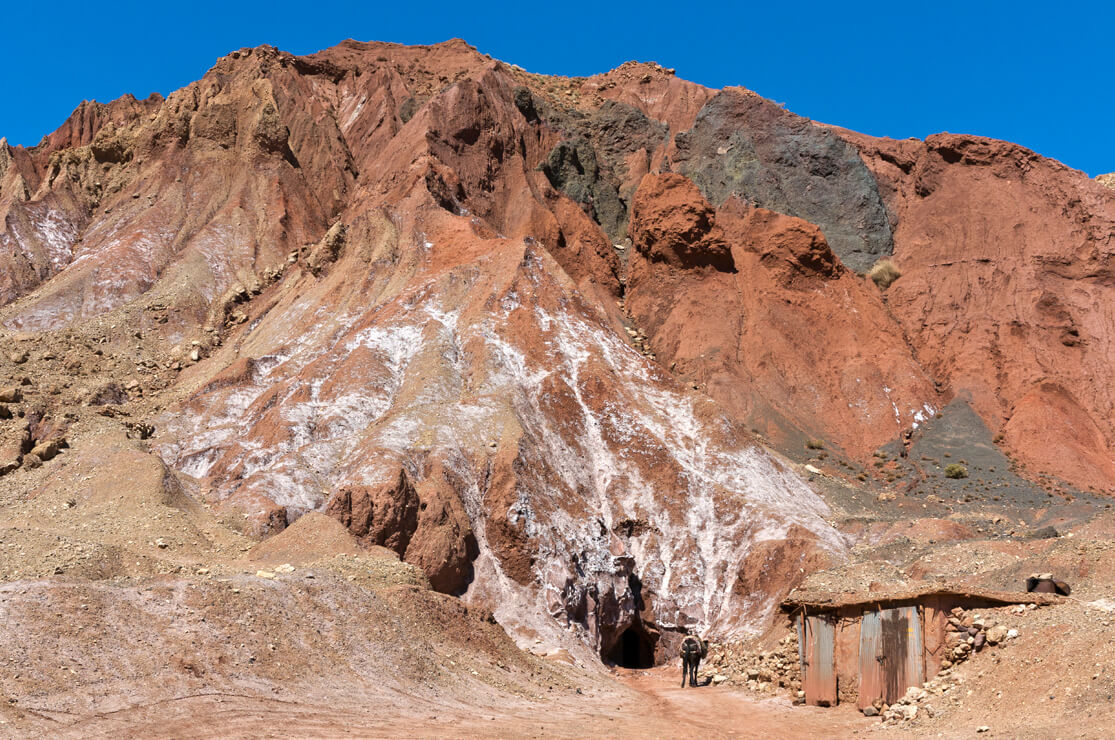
column 403, row 361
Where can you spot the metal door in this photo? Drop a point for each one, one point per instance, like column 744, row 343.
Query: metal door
column 871, row 682
column 818, row 667
column 891, row 654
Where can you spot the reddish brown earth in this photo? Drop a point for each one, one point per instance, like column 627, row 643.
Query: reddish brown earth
column 1005, row 291
column 372, row 376
column 803, row 343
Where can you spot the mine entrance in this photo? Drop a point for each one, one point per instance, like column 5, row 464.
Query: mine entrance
column 633, row 649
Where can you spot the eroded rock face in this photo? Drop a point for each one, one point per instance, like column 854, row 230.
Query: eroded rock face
column 429, row 529
column 1006, row 291
column 750, row 147
column 789, row 340
column 532, row 433
column 382, row 515
column 675, row 224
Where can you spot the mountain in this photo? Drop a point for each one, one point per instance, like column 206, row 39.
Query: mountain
column 563, row 344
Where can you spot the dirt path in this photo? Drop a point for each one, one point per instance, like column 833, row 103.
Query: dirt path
column 639, row 704
column 712, row 711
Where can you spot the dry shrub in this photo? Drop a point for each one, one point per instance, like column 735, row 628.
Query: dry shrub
column 884, row 273
column 956, row 471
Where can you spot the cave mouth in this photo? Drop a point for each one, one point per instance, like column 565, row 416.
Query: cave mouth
column 633, row 649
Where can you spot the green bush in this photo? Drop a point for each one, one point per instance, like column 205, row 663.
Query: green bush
column 956, row 471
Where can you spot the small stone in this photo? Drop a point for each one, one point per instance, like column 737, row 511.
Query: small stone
column 284, row 568
column 11, row 395
column 202, row 571
column 983, row 728
column 1011, row 634
column 32, row 461
column 161, row 543
column 48, row 450
column 914, row 694
column 264, row 574
column 997, row 634
column 18, row 357
column 909, row 712
column 870, row 712
column 719, row 678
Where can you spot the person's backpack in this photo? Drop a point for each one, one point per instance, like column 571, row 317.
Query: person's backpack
column 691, row 648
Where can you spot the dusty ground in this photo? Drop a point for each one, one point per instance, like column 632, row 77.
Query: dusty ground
column 634, row 704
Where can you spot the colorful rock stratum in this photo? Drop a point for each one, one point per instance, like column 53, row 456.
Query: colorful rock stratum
column 599, row 360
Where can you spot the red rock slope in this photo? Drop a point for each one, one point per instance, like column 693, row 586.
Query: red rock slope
column 1007, row 291
column 753, row 306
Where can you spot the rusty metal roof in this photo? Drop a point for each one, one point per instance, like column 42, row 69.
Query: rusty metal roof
column 819, row 601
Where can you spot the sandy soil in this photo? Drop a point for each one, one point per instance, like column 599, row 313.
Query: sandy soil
column 640, row 704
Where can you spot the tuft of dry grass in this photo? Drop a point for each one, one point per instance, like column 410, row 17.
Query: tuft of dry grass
column 884, row 273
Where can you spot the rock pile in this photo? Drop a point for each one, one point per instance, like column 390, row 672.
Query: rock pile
column 968, row 632
column 764, row 671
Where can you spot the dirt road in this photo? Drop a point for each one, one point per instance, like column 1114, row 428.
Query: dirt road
column 639, row 704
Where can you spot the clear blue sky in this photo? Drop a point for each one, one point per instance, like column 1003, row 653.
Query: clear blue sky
column 1040, row 74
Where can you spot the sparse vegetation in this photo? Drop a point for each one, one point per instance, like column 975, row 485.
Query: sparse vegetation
column 884, row 273
column 956, row 471
column 814, row 444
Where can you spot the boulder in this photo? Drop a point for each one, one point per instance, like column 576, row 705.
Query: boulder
column 106, row 394
column 672, row 222
column 49, row 449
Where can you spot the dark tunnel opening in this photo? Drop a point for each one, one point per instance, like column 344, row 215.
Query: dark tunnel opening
column 633, row 649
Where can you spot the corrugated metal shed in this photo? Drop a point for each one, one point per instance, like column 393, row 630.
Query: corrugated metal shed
column 867, row 647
